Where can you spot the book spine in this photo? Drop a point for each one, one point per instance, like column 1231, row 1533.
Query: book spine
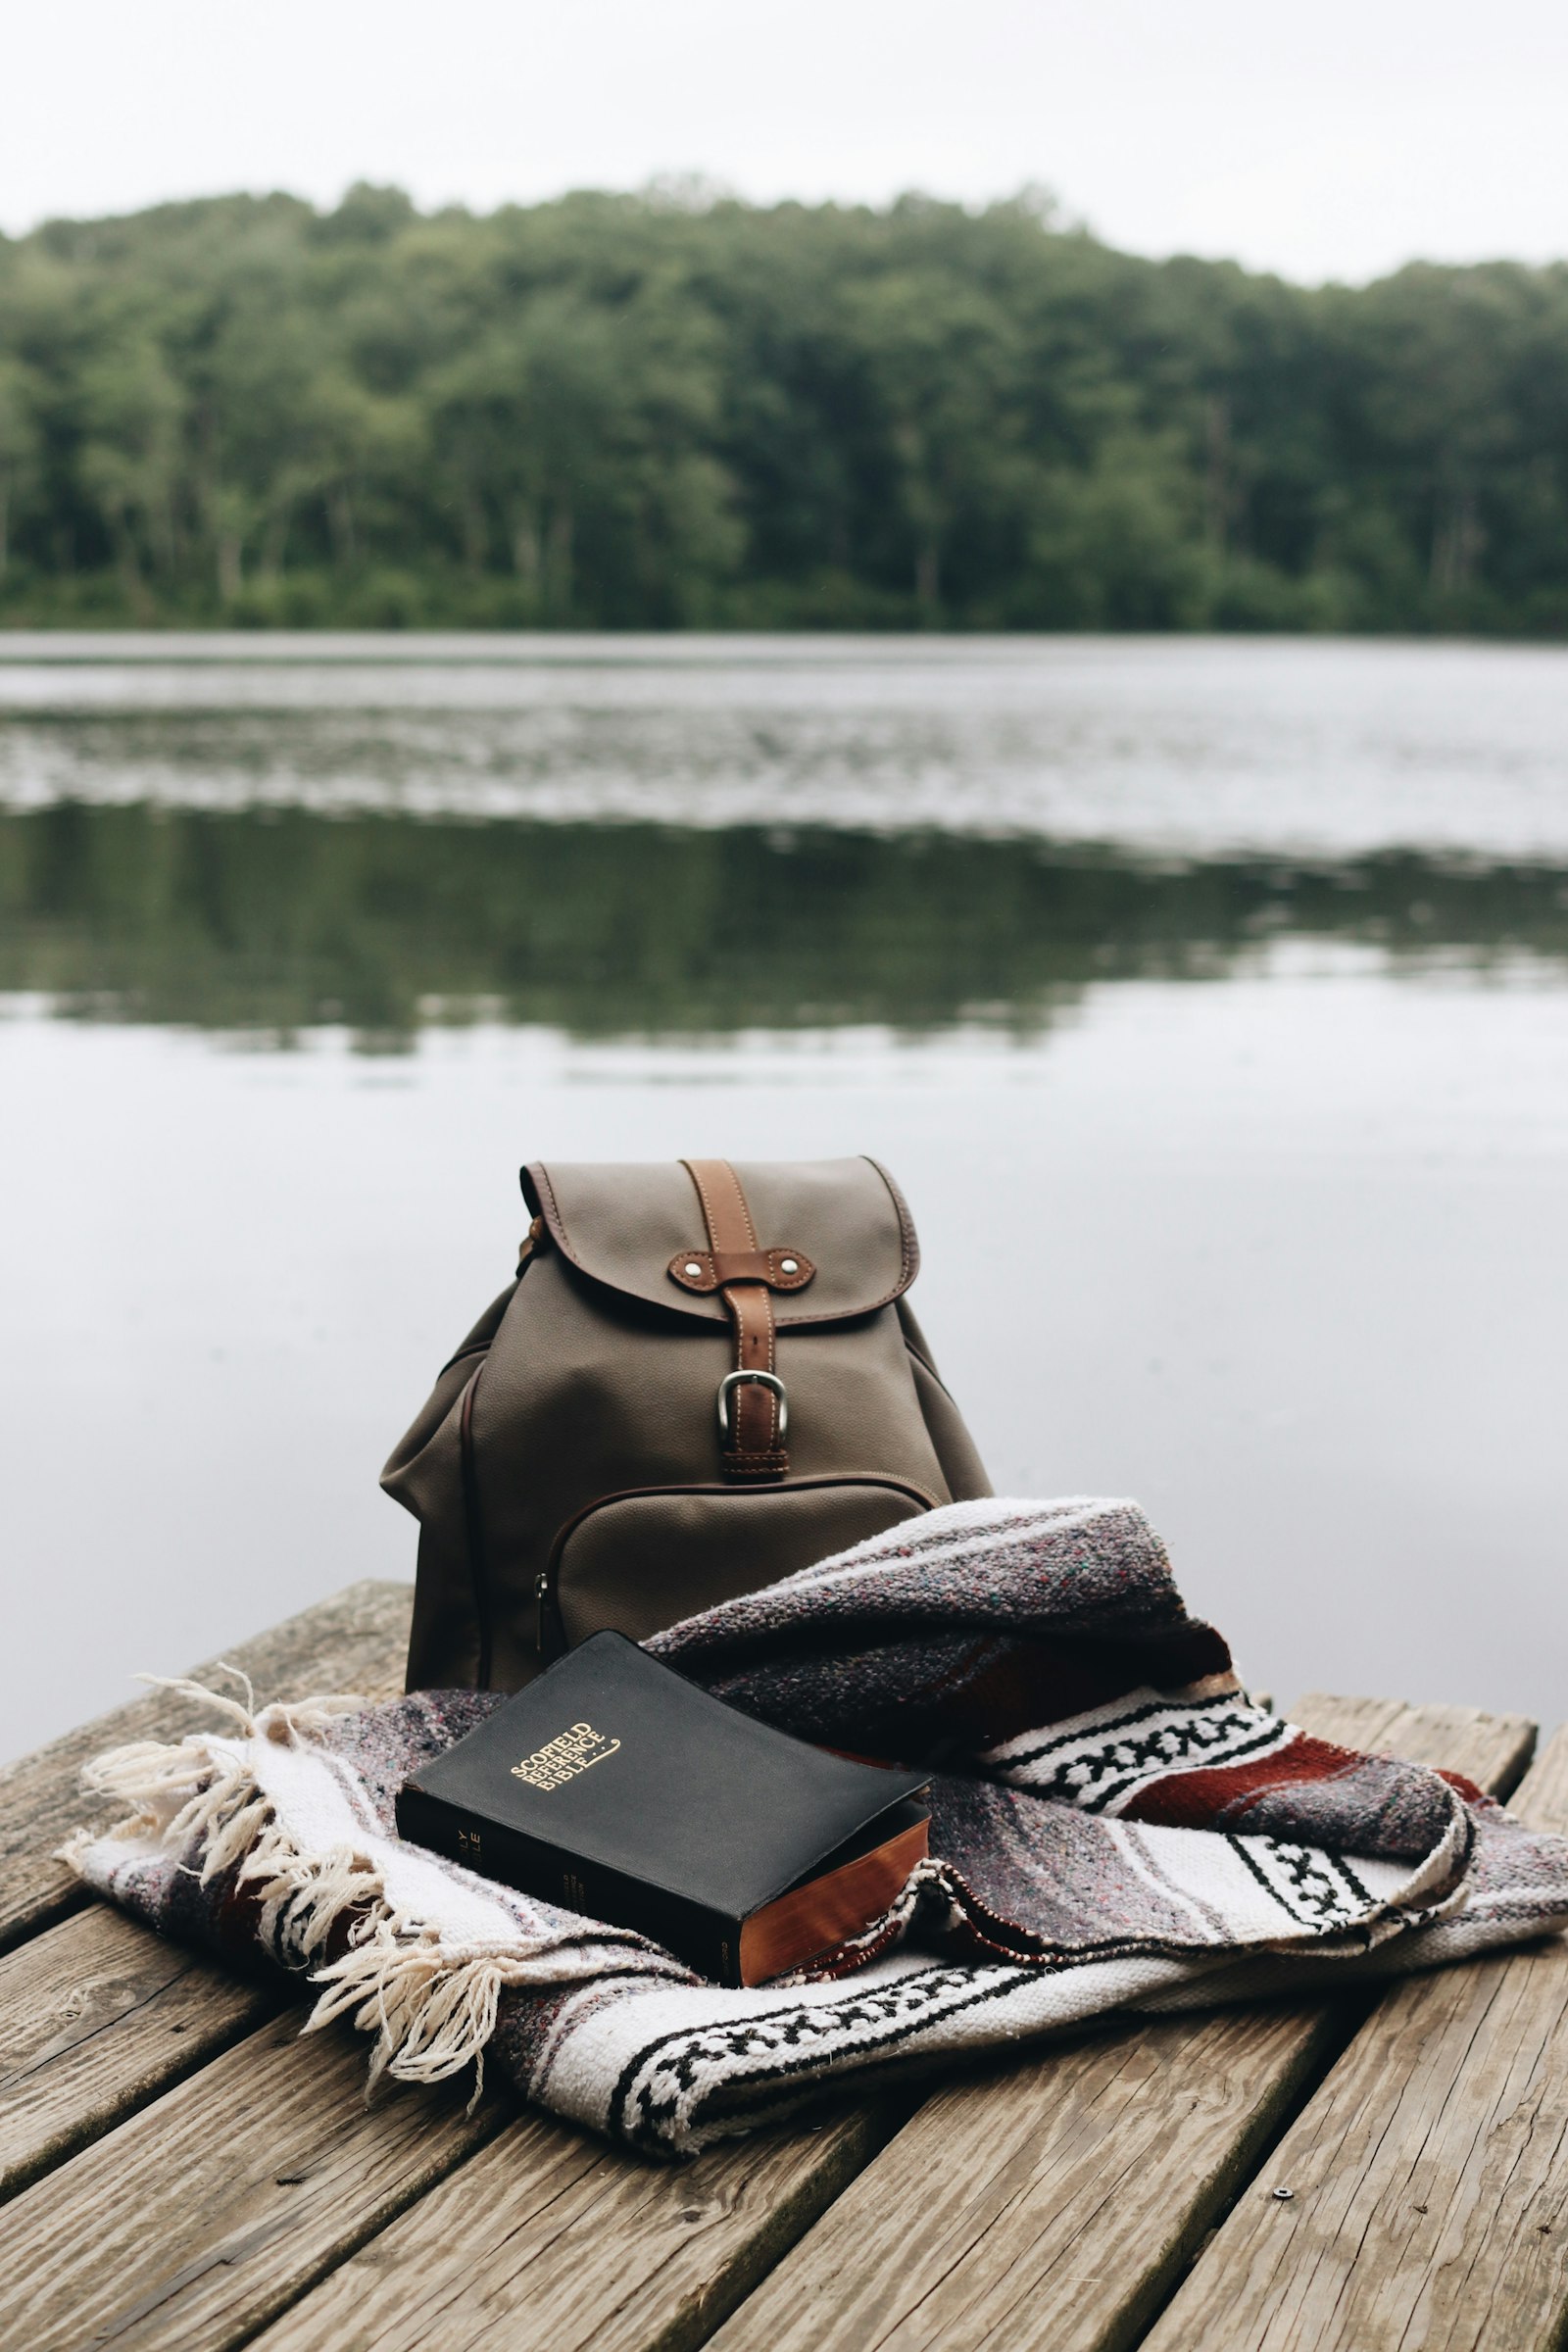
column 707, row 1941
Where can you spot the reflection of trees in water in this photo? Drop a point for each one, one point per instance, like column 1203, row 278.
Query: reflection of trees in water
column 278, row 919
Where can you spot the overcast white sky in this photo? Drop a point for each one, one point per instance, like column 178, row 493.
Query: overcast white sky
column 1336, row 141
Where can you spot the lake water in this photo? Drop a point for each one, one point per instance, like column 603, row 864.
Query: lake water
column 1208, row 999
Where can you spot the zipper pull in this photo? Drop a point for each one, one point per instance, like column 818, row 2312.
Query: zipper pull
column 541, row 1602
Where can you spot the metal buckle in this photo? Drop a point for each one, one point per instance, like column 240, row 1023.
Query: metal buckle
column 763, row 1379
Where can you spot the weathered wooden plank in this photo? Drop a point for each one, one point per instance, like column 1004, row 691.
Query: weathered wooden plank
column 1543, row 1795
column 1495, row 1750
column 1428, row 2176
column 1076, row 2189
column 98, row 2015
column 549, row 2242
column 191, row 2226
column 1353, row 1721
column 353, row 1641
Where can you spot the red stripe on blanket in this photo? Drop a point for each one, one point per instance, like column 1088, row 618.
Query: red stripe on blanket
column 1197, row 1800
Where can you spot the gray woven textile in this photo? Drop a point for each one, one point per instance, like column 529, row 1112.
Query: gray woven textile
column 1114, row 1825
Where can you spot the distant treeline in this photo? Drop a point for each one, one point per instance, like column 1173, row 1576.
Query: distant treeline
column 660, row 411
column 283, row 921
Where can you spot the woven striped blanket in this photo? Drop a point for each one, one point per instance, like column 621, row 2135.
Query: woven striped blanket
column 1115, row 1825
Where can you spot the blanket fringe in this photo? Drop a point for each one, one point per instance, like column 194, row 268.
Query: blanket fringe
column 431, row 2017
column 432, row 2011
column 202, row 1788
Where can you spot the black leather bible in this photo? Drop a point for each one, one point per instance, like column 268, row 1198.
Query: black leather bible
column 617, row 1787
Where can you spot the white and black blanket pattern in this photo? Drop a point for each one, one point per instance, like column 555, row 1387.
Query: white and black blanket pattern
column 1114, row 1825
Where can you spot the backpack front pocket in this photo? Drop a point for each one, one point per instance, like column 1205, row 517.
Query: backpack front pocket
column 637, row 1562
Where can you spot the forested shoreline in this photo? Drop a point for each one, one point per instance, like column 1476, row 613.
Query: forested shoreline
column 667, row 411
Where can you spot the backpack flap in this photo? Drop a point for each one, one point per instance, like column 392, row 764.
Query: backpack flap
column 624, row 1223
column 762, row 1247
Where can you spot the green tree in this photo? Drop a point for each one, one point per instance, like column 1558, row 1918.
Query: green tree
column 678, row 408
column 19, row 447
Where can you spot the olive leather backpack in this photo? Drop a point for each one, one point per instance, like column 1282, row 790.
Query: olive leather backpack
column 702, row 1378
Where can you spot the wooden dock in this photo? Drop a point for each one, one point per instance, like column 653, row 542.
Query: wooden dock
column 178, row 2168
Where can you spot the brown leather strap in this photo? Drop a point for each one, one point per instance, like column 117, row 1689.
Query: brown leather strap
column 754, row 1450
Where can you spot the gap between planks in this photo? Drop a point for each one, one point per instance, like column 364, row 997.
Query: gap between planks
column 188, row 2227
column 97, row 2016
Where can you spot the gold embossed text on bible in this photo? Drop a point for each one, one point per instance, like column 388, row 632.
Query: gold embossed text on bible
column 563, row 1758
